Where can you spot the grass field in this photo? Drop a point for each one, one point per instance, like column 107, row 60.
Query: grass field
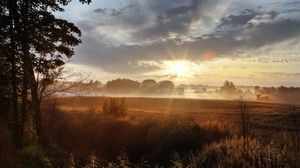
column 173, row 133
column 198, row 109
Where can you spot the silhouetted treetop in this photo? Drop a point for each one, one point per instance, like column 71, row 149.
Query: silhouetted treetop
column 166, row 87
column 149, row 86
column 122, row 86
column 229, row 88
column 148, row 83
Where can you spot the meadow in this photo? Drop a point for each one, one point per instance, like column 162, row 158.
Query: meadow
column 159, row 132
column 168, row 132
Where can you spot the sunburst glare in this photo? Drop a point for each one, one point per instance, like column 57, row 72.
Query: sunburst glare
column 178, row 67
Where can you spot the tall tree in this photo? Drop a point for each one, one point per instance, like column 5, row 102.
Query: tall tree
column 13, row 12
column 4, row 64
column 38, row 43
column 45, row 40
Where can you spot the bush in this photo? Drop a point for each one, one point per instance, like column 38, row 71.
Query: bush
column 115, row 106
column 34, row 156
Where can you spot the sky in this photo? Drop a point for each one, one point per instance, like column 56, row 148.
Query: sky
column 189, row 41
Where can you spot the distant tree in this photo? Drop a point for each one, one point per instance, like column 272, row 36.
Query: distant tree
column 257, row 90
column 91, row 87
column 229, row 88
column 268, row 90
column 148, row 83
column 166, row 87
column 149, row 86
column 97, row 84
column 122, row 86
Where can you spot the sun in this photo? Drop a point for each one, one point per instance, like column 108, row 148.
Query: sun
column 178, row 67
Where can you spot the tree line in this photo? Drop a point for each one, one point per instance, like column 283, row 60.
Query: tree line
column 148, row 86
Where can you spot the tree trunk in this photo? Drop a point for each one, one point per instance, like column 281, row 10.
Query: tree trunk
column 28, row 62
column 25, row 58
column 16, row 117
column 24, row 112
column 37, row 107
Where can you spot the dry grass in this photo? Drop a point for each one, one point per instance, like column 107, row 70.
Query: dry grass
column 263, row 114
column 172, row 133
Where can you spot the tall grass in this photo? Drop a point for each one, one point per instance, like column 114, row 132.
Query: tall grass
column 159, row 140
column 229, row 153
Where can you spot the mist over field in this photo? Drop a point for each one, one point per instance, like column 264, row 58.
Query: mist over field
column 167, row 89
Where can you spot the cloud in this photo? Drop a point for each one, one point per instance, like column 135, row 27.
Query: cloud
column 176, row 20
column 161, row 30
column 279, row 74
column 293, row 3
column 246, row 18
column 113, row 11
column 115, row 59
column 101, row 10
column 238, row 20
column 270, row 33
column 149, row 20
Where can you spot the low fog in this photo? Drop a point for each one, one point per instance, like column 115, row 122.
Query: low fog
column 167, row 89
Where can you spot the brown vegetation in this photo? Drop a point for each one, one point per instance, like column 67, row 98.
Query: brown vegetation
column 175, row 135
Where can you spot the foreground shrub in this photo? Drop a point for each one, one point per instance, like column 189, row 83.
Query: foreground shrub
column 7, row 149
column 153, row 140
column 33, row 156
column 115, row 106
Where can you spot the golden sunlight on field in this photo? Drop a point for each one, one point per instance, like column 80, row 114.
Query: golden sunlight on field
column 201, row 109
